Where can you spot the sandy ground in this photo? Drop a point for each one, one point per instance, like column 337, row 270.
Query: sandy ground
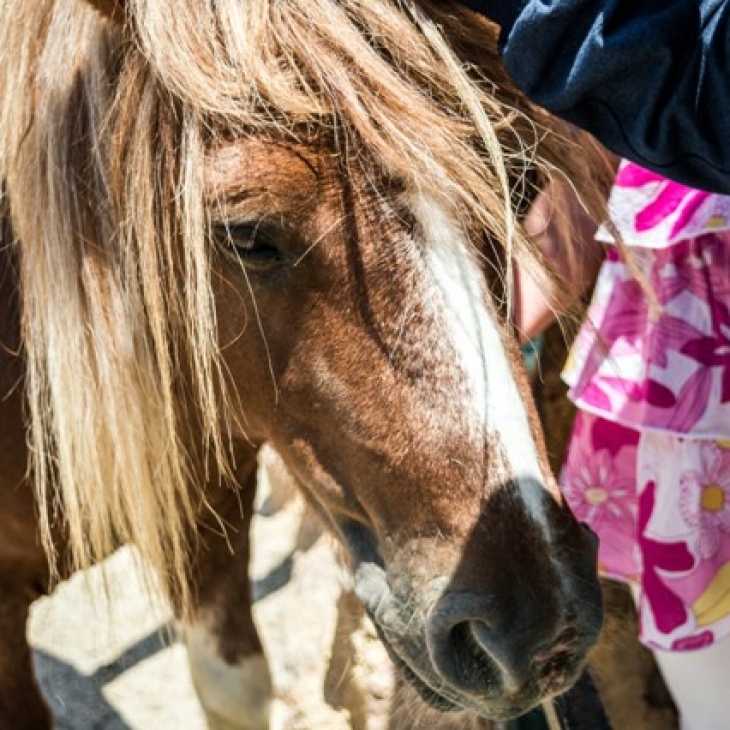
column 108, row 658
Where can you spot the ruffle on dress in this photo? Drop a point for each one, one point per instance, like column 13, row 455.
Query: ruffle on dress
column 662, row 364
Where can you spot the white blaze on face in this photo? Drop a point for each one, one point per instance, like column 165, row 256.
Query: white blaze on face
column 477, row 342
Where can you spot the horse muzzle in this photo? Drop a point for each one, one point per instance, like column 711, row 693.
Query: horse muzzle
column 488, row 654
column 497, row 670
column 468, row 666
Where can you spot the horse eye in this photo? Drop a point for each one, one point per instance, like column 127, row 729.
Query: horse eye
column 253, row 244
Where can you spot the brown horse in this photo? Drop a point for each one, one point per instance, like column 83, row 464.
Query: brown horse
column 289, row 221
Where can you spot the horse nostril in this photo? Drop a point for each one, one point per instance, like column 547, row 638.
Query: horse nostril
column 472, row 654
column 461, row 660
column 479, row 656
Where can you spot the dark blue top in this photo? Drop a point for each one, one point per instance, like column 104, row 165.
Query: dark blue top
column 649, row 78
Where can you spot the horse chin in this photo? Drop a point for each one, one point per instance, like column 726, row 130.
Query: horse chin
column 433, row 699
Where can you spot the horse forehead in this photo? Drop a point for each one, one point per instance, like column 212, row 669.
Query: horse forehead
column 285, row 175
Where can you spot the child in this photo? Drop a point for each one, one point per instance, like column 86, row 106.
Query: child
column 648, row 466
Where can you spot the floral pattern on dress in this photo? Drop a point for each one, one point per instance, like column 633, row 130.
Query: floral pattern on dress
column 659, row 559
column 705, row 498
column 642, row 493
column 671, row 201
column 651, row 211
column 648, row 467
column 662, row 364
column 599, row 483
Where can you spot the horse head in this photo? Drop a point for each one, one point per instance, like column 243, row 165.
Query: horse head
column 365, row 346
column 297, row 211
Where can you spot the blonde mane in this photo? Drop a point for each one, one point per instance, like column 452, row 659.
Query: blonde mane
column 104, row 133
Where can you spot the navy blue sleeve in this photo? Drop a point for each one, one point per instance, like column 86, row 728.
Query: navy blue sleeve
column 649, row 78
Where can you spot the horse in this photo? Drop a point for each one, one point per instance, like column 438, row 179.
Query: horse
column 225, row 224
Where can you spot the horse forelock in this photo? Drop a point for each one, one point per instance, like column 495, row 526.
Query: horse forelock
column 105, row 130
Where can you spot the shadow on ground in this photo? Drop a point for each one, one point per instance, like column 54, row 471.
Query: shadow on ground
column 78, row 699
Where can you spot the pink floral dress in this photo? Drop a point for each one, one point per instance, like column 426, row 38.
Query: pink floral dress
column 649, row 463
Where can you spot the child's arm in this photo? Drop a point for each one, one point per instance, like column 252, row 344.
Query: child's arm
column 555, row 217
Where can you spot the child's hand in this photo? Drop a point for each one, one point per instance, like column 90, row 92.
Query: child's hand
column 564, row 232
